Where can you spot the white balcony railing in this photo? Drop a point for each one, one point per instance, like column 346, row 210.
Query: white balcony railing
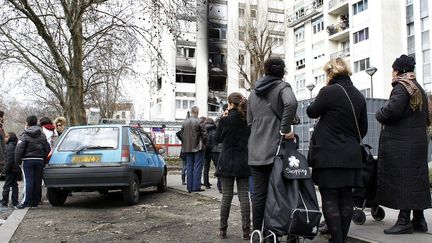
column 336, row 3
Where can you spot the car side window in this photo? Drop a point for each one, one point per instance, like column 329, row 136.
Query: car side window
column 137, row 143
column 148, row 144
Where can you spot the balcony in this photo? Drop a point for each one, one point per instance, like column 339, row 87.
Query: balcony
column 338, row 32
column 297, row 15
column 343, row 53
column 338, row 6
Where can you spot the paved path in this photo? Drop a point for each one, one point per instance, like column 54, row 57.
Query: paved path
column 7, row 229
column 371, row 231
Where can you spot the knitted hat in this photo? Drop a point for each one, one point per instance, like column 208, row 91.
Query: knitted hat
column 404, row 64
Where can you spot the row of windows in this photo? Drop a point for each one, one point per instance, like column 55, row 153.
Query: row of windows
column 186, row 52
column 361, row 35
column 184, row 104
column 361, row 65
column 318, row 25
column 360, row 6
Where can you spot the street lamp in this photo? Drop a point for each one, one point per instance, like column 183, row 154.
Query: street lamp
column 371, row 71
column 310, row 87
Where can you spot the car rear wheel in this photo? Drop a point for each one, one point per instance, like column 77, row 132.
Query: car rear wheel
column 162, row 186
column 131, row 193
column 56, row 197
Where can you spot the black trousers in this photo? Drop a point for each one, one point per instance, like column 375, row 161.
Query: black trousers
column 11, row 183
column 337, row 206
column 208, row 157
column 261, row 176
column 33, row 170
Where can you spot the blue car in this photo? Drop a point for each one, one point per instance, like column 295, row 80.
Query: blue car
column 102, row 158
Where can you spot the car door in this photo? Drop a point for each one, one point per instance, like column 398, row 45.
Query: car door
column 155, row 164
column 139, row 158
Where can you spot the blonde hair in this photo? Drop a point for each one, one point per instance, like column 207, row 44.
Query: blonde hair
column 336, row 67
column 60, row 119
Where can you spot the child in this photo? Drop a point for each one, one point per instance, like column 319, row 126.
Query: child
column 12, row 170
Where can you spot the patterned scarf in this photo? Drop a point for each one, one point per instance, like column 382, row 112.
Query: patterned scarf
column 416, row 99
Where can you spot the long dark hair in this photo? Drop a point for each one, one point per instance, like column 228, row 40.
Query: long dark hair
column 239, row 102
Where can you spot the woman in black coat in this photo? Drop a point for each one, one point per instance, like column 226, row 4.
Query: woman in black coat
column 402, row 157
column 335, row 153
column 233, row 132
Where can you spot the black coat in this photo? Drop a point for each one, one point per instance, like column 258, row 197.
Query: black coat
column 33, row 144
column 233, row 132
column 10, row 165
column 335, row 140
column 402, row 156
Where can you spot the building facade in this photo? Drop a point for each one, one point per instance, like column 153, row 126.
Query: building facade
column 365, row 33
column 418, row 38
column 210, row 58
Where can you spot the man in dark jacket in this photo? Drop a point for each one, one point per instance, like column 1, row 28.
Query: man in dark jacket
column 12, row 171
column 194, row 137
column 2, row 142
column 271, row 110
column 31, row 151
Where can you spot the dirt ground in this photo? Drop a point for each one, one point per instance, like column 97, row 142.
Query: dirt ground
column 165, row 217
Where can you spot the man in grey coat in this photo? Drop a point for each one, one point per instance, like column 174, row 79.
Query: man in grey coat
column 194, row 137
column 271, row 110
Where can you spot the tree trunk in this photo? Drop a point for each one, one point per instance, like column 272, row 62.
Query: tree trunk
column 76, row 84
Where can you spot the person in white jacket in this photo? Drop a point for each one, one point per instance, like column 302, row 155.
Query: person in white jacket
column 49, row 131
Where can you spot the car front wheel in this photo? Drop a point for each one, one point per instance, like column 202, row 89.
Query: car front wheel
column 131, row 193
column 162, row 186
column 56, row 197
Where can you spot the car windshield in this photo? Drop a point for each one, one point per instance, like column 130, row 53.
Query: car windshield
column 78, row 138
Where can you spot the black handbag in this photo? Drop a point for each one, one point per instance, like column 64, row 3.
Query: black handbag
column 291, row 206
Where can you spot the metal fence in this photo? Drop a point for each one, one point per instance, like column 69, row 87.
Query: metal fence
column 305, row 128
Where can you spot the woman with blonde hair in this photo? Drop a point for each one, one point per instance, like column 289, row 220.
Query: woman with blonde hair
column 60, row 125
column 335, row 153
column 233, row 132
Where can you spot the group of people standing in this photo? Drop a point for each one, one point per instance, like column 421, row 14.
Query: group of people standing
column 26, row 157
column 251, row 129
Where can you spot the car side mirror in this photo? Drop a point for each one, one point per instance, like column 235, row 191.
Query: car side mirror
column 161, row 151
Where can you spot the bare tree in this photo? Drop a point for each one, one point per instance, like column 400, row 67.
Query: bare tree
column 60, row 41
column 258, row 37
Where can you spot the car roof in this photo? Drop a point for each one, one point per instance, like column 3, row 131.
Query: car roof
column 108, row 125
column 100, row 125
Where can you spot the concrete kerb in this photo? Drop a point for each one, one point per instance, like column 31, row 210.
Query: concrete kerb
column 7, row 230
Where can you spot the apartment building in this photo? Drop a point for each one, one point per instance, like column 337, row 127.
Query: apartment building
column 195, row 70
column 209, row 59
column 419, row 37
column 365, row 33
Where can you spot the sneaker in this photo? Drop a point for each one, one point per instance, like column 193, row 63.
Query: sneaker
column 20, row 206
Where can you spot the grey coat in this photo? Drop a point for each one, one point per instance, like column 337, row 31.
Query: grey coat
column 194, row 135
column 403, row 181
column 265, row 125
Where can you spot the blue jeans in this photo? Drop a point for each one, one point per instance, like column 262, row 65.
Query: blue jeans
column 32, row 174
column 194, row 166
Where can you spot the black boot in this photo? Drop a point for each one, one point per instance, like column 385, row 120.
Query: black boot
column 419, row 222
column 403, row 224
column 4, row 202
column 183, row 179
